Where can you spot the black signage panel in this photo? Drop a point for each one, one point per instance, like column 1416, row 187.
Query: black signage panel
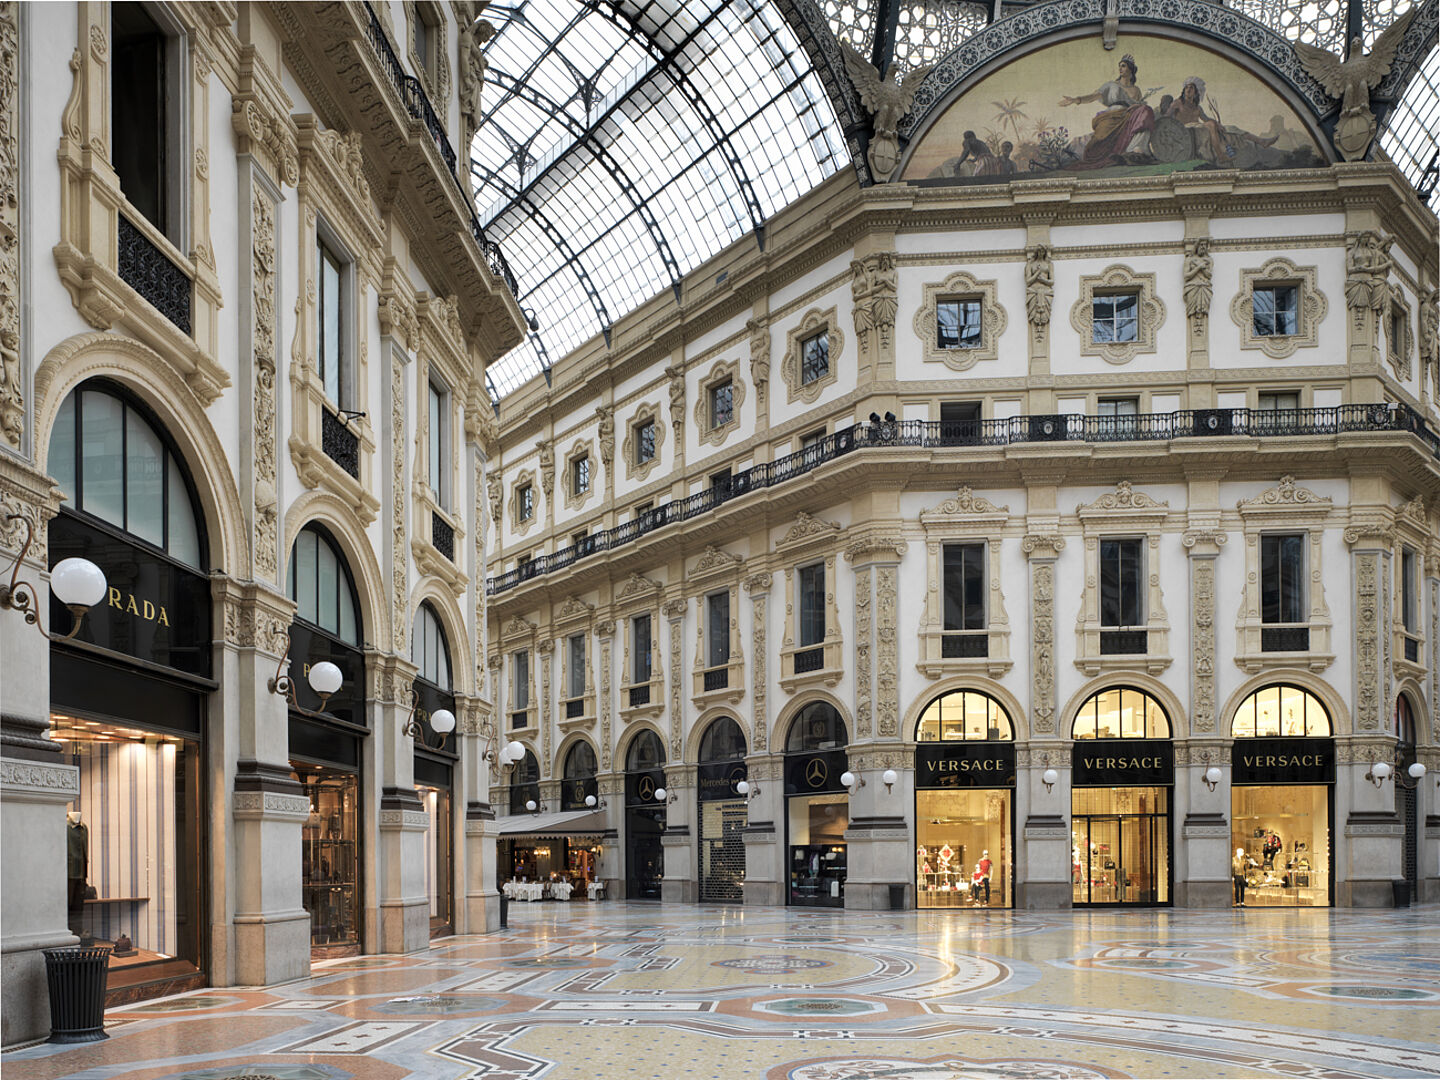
column 1122, row 763
column 815, row 773
column 574, row 789
column 154, row 609
column 1282, row 761
column 323, row 744
column 430, row 700
column 433, row 772
column 717, row 780
column 640, row 787
column 964, row 765
column 308, row 647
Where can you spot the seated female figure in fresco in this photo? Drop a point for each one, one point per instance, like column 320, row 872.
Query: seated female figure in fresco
column 1215, row 142
column 1122, row 130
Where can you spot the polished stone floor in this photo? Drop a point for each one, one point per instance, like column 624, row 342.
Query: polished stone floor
column 584, row 991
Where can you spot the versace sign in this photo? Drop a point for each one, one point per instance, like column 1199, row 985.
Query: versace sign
column 965, row 765
column 1122, row 763
column 1283, row 761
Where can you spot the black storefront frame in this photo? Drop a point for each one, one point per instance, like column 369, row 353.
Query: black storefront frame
column 717, row 782
column 641, row 806
column 1098, row 764
column 968, row 765
column 807, row 773
column 1254, row 770
column 434, row 765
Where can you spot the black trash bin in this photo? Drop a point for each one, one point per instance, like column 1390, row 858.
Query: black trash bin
column 1402, row 892
column 504, row 912
column 897, row 897
column 77, row 993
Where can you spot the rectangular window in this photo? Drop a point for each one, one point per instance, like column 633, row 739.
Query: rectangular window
column 520, row 680
column 330, row 352
column 423, row 34
column 1410, row 591
column 644, row 442
column 1113, row 317
column 721, row 480
column 1122, row 581
column 1117, row 414
column 812, row 604
column 1279, row 401
column 642, row 510
column 438, row 437
column 964, row 578
column 577, row 539
column 576, row 673
column 640, row 649
column 144, row 115
column 580, row 475
column 1276, row 310
column 960, row 422
column 1282, row 578
column 815, row 358
column 722, row 404
column 957, row 324
column 717, row 629
column 525, row 502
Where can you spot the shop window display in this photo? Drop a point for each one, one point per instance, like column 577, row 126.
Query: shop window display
column 330, row 857
column 817, row 806
column 439, row 855
column 133, row 847
column 1281, row 845
column 963, row 857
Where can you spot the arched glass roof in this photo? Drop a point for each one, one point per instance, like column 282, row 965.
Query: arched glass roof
column 625, row 143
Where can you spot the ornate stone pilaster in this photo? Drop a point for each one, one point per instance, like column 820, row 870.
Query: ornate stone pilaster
column 887, row 651
column 266, row 511
column 1042, row 549
column 1370, row 546
column 399, row 560
column 864, row 611
column 605, row 629
column 12, row 398
column 758, row 586
column 675, row 611
column 1203, row 546
column 546, row 649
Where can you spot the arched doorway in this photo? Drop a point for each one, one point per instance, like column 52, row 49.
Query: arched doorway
column 525, row 858
column 1121, row 777
column 722, row 812
column 326, row 746
column 128, row 695
column 1282, row 775
column 435, row 764
column 1406, row 803
column 964, row 803
column 817, row 806
column 644, row 816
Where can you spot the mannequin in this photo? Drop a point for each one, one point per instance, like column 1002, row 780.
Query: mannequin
column 1237, row 868
column 77, row 864
column 983, row 866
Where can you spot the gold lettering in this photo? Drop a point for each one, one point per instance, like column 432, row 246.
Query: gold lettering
column 130, row 607
column 164, row 619
column 149, row 609
column 115, row 598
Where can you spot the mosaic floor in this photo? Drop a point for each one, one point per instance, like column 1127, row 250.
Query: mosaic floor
column 594, row 991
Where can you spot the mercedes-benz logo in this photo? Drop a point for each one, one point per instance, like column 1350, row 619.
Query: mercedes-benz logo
column 646, row 787
column 816, row 773
column 736, row 775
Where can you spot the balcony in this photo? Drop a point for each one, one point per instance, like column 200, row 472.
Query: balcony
column 912, row 435
column 151, row 273
column 639, row 695
column 442, row 536
column 717, row 679
column 1412, row 650
column 341, row 445
column 960, row 645
column 1284, row 639
column 1123, row 642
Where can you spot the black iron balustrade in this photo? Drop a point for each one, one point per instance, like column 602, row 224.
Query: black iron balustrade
column 1284, row 639
column 965, row 646
column 574, row 707
column 809, row 660
column 519, row 719
column 717, row 678
column 442, row 536
column 640, row 695
column 1123, row 642
column 151, row 273
column 1412, row 650
column 341, row 445
column 936, row 434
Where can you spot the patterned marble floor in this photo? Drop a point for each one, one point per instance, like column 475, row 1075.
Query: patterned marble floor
column 597, row 991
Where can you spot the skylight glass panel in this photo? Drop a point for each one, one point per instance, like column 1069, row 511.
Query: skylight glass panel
column 1412, row 132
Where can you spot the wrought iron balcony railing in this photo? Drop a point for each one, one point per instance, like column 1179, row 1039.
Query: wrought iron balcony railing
column 442, row 536
column 930, row 434
column 417, row 103
column 341, row 445
column 149, row 271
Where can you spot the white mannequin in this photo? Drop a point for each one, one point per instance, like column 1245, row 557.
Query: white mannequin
column 74, row 817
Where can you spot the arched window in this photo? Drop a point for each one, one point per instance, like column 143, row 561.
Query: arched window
column 964, row 714
column 645, row 752
column 429, row 649
column 114, row 463
column 524, row 783
column 580, row 762
column 818, row 726
column 1404, row 722
column 723, row 741
column 321, row 585
column 1280, row 710
column 1121, row 712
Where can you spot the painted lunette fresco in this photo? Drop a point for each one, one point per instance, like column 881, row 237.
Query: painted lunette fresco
column 1151, row 106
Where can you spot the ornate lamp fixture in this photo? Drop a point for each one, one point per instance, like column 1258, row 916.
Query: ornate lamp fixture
column 744, row 787
column 851, row 782
column 1213, row 776
column 77, row 583
column 595, row 804
column 1048, row 778
column 442, row 722
column 1381, row 771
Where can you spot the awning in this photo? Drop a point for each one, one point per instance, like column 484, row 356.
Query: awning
column 589, row 823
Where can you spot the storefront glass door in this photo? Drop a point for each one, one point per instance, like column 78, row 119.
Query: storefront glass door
column 1120, row 858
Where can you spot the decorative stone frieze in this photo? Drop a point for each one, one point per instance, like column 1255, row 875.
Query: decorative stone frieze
column 266, row 510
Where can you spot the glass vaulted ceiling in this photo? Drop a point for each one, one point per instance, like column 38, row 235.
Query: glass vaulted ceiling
column 624, row 144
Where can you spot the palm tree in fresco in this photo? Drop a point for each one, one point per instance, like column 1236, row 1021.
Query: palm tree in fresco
column 1011, row 113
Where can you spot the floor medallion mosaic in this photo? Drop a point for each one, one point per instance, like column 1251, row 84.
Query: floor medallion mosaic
column 596, row 991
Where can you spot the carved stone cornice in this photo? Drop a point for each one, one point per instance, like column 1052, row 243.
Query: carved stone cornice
column 637, row 585
column 1124, row 501
column 1379, row 533
column 1042, row 545
column 1285, row 495
column 260, row 118
column 873, row 549
column 674, row 609
column 806, row 530
column 759, row 584
column 1204, row 540
column 715, row 561
column 963, row 504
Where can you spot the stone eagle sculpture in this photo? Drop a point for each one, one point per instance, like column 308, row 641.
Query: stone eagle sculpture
column 888, row 102
column 1352, row 80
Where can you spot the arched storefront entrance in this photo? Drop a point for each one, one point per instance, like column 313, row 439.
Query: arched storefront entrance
column 964, row 803
column 817, row 806
column 1121, row 777
column 721, row 812
column 644, row 816
column 128, row 696
column 1406, row 801
column 435, row 765
column 1282, row 777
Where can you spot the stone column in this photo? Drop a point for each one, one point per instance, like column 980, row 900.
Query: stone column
column 681, row 883
column 879, row 840
column 765, row 873
column 403, row 906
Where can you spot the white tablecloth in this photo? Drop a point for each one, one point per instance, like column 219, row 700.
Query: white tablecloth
column 524, row 890
column 561, row 890
column 595, row 890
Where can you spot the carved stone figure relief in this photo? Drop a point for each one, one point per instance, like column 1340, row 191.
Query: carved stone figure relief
column 1039, row 287
column 606, row 431
column 263, row 418
column 863, row 610
column 1367, row 270
column 759, row 332
column 399, row 565
column 1351, row 80
column 1198, row 271
column 887, row 100
column 887, row 683
column 547, row 467
column 1367, row 645
column 12, row 401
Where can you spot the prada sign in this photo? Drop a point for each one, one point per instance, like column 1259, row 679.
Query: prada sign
column 1122, row 763
column 430, row 700
column 1282, row 761
column 308, row 647
column 154, row 609
column 717, row 781
column 964, row 765
column 815, row 773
